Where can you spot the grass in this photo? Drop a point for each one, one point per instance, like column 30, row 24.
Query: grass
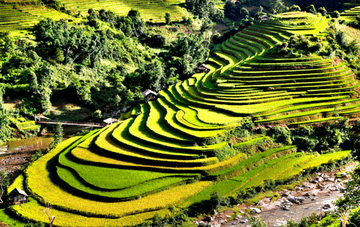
column 33, row 211
column 9, row 220
column 93, row 176
column 151, row 11
column 41, row 184
column 109, row 148
column 318, row 161
column 135, row 191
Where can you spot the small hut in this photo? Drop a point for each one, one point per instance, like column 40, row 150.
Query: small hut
column 17, row 196
column 149, row 95
column 263, row 18
column 203, row 68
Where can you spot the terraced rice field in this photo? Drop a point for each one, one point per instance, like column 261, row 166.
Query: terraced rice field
column 352, row 12
column 15, row 17
column 125, row 173
column 151, row 10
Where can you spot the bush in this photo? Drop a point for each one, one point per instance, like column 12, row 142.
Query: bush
column 256, row 222
column 310, row 9
column 336, row 14
column 295, row 8
column 322, row 10
column 281, row 134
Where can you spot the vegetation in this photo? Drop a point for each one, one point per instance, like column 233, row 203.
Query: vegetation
column 194, row 146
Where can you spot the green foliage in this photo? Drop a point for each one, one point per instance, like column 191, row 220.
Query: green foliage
column 186, row 54
column 5, row 130
column 323, row 11
column 308, row 221
column 281, row 134
column 167, row 18
column 351, row 197
column 336, row 14
column 310, row 9
column 58, row 136
column 295, row 8
column 277, row 6
column 102, row 60
column 204, row 9
column 256, row 222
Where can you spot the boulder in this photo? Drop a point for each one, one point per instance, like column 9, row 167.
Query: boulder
column 326, row 206
column 243, row 221
column 344, row 175
column 296, row 200
column 308, row 185
column 255, row 210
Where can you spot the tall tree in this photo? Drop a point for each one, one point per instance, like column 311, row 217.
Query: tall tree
column 277, row 6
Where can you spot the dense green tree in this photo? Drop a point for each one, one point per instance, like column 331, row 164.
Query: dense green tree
column 187, row 53
column 244, row 12
column 277, row 6
column 310, row 9
column 204, row 9
column 323, row 11
column 167, row 18
column 295, row 8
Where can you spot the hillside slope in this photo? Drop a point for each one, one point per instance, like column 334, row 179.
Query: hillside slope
column 163, row 155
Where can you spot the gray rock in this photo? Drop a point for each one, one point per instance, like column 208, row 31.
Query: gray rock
column 300, row 199
column 296, row 200
column 331, row 179
column 308, row 185
column 260, row 203
column 228, row 216
column 243, row 221
column 255, row 210
column 285, row 193
column 326, row 206
column 344, row 175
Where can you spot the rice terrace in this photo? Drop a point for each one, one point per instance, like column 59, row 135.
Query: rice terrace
column 211, row 134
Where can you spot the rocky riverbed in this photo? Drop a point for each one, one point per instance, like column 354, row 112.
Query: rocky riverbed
column 313, row 196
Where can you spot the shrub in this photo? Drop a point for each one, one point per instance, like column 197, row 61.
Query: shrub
column 310, row 9
column 336, row 14
column 295, row 8
column 322, row 10
column 256, row 222
column 281, row 134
